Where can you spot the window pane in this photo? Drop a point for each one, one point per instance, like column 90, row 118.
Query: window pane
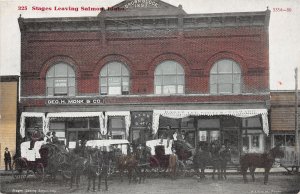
column 114, row 81
column 60, row 82
column 50, row 91
column 71, row 81
column 61, row 70
column 213, row 88
column 71, row 72
column 225, row 79
column 180, row 79
column 125, row 81
column 50, row 82
column 114, row 69
column 214, row 69
column 169, row 80
column 158, row 80
column 236, row 88
column 225, row 66
column 104, row 71
column 60, row 90
column 50, row 73
column 124, row 71
column 71, row 91
column 236, row 78
column 114, row 90
column 103, row 90
column 180, row 89
column 103, row 81
column 157, row 89
column 236, row 68
column 225, row 88
column 180, row 70
column 169, row 89
column 213, row 79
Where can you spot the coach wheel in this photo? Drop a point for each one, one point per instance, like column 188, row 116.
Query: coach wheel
column 19, row 169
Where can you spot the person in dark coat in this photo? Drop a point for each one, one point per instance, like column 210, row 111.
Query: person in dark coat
column 7, row 159
column 36, row 136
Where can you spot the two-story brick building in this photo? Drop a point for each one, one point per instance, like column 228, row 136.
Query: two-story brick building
column 131, row 71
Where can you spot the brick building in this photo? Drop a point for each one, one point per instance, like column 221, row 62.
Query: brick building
column 142, row 65
column 9, row 96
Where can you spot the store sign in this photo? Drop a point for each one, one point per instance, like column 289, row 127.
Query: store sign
column 60, row 83
column 141, row 3
column 141, row 119
column 73, row 101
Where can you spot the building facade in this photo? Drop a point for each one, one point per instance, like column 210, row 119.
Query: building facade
column 142, row 65
column 9, row 96
column 283, row 125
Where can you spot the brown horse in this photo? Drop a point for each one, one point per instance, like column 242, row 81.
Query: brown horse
column 127, row 162
column 256, row 160
column 173, row 160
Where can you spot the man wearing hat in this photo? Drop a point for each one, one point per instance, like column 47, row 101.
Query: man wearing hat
column 7, row 159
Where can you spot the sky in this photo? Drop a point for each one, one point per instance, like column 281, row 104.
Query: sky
column 284, row 29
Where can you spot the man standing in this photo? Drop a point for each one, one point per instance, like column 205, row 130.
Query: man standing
column 7, row 159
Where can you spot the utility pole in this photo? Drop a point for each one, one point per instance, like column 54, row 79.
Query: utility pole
column 296, row 116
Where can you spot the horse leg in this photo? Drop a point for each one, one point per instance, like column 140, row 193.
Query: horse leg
column 244, row 172
column 99, row 182
column 106, row 185
column 94, row 183
column 267, row 170
column 252, row 170
column 89, row 183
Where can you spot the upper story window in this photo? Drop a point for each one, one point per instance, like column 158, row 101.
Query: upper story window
column 60, row 80
column 169, row 78
column 225, row 77
column 114, row 79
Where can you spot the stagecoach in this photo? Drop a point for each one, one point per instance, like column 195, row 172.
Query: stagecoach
column 31, row 161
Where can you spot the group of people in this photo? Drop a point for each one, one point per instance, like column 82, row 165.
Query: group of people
column 50, row 137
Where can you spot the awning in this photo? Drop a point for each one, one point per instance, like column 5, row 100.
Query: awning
column 243, row 113
column 72, row 115
column 126, row 114
column 30, row 114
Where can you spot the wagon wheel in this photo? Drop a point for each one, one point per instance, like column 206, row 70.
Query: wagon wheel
column 40, row 171
column 20, row 169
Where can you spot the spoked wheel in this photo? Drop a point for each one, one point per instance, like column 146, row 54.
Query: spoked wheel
column 20, row 169
column 40, row 171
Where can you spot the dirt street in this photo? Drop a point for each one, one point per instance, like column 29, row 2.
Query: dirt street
column 278, row 183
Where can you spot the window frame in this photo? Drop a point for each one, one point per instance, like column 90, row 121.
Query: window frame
column 69, row 79
column 232, row 74
column 123, row 76
column 159, row 74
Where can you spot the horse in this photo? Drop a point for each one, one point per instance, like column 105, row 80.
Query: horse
column 225, row 157
column 55, row 159
column 143, row 154
column 127, row 162
column 97, row 166
column 77, row 164
column 201, row 159
column 257, row 160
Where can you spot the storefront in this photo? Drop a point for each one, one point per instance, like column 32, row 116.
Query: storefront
column 148, row 67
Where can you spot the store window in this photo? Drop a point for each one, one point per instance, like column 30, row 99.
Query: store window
column 169, row 78
column 116, row 127
column 284, row 139
column 253, row 143
column 114, row 79
column 60, row 80
column 225, row 77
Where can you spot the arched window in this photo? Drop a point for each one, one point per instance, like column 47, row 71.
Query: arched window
column 114, row 79
column 60, row 80
column 169, row 78
column 225, row 77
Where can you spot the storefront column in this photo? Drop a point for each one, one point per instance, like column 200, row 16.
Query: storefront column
column 197, row 131
column 240, row 135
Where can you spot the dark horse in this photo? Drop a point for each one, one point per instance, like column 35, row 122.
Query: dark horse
column 256, row 160
column 143, row 154
column 97, row 166
column 213, row 155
